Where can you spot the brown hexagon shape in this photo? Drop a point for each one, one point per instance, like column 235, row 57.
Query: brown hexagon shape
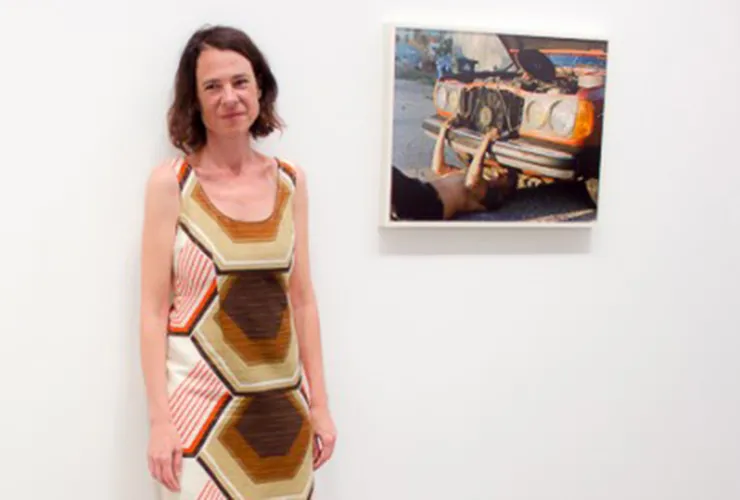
column 269, row 436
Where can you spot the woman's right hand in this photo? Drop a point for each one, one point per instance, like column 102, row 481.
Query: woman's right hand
column 165, row 455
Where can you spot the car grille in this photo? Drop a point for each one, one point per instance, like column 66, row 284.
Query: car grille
column 483, row 108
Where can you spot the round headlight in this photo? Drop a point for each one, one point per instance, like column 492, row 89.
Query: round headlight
column 536, row 114
column 563, row 117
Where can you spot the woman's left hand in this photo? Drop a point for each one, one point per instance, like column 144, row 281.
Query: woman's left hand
column 325, row 435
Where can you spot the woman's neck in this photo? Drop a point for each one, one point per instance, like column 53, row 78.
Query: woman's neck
column 230, row 154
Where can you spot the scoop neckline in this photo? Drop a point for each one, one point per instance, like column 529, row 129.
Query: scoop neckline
column 230, row 218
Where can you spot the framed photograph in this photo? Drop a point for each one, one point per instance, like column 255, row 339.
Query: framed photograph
column 492, row 129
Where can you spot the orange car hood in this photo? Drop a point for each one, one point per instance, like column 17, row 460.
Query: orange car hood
column 515, row 43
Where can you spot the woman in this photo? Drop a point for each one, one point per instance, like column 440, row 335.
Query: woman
column 230, row 339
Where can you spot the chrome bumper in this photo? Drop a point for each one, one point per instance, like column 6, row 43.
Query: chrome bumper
column 515, row 153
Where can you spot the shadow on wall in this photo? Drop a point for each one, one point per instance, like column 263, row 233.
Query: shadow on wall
column 485, row 241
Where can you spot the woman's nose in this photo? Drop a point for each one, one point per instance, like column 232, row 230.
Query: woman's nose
column 229, row 94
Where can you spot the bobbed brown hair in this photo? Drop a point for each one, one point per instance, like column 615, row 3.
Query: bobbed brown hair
column 186, row 128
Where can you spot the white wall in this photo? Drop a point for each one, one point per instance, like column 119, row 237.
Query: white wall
column 605, row 369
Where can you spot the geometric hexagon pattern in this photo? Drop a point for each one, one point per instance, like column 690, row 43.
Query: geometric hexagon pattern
column 269, row 424
column 255, row 303
column 234, row 377
column 246, row 363
column 264, row 447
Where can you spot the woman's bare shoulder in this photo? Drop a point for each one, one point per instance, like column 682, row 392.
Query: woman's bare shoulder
column 163, row 177
column 293, row 169
column 163, row 188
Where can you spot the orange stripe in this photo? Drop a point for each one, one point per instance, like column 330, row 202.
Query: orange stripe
column 575, row 52
column 185, row 328
column 211, row 390
column 288, row 168
column 181, row 169
column 201, row 271
column 221, row 403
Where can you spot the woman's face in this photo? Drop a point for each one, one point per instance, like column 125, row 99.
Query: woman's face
column 227, row 92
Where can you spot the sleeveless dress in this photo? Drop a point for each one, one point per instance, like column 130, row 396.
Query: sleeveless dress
column 234, row 378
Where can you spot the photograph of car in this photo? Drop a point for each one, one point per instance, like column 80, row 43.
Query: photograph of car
column 495, row 128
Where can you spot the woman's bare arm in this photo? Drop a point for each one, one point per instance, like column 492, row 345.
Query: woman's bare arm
column 303, row 300
column 160, row 219
column 306, row 316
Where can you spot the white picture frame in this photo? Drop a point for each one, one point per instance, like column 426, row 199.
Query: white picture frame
column 420, row 58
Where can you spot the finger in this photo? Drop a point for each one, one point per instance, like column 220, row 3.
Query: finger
column 318, row 445
column 326, row 451
column 172, row 474
column 322, row 458
column 319, row 461
column 158, row 471
column 167, row 477
column 329, row 446
column 177, row 467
